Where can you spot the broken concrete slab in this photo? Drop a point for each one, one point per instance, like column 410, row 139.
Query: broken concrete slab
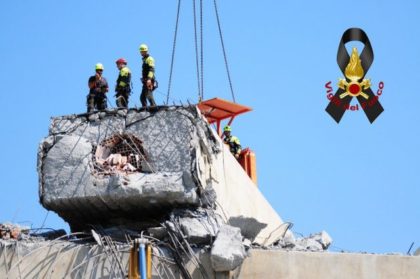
column 155, row 161
column 323, row 238
column 250, row 227
column 65, row 259
column 197, row 230
column 318, row 242
column 227, row 251
column 157, row 232
column 308, row 244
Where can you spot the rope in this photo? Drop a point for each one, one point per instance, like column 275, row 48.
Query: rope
column 173, row 53
column 196, row 52
column 201, row 49
column 224, row 51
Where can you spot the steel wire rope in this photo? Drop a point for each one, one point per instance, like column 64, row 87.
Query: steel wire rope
column 57, row 256
column 65, row 162
column 177, row 255
column 18, row 257
column 224, row 51
column 69, row 155
column 176, row 141
column 4, row 252
column 173, row 52
column 174, row 237
column 158, row 272
column 165, row 262
column 196, row 51
column 201, row 50
column 189, row 252
column 93, row 257
column 51, row 243
column 164, row 95
column 110, row 250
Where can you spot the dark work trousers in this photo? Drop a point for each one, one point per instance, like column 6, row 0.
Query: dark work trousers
column 96, row 100
column 122, row 98
column 147, row 94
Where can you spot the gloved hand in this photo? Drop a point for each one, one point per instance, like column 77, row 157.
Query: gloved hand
column 149, row 84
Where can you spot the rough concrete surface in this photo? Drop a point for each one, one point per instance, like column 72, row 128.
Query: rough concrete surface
column 197, row 230
column 303, row 265
column 250, row 227
column 64, row 259
column 318, row 242
column 227, row 252
column 71, row 186
column 131, row 168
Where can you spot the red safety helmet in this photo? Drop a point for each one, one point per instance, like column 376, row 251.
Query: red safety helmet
column 121, row 60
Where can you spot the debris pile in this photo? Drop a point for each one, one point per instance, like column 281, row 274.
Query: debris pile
column 163, row 178
column 119, row 153
column 12, row 231
column 315, row 242
column 227, row 252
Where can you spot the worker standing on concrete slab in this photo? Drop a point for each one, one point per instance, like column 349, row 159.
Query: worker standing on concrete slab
column 98, row 87
column 148, row 77
column 232, row 141
column 123, row 87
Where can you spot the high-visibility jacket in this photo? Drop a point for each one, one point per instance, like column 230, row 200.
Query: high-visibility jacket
column 234, row 144
column 124, row 80
column 148, row 68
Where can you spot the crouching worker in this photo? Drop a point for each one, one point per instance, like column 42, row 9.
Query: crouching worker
column 98, row 87
column 122, row 87
column 232, row 141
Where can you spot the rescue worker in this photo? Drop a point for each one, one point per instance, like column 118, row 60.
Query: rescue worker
column 148, row 77
column 232, row 141
column 98, row 87
column 123, row 87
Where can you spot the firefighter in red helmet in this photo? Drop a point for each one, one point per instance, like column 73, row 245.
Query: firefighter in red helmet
column 123, row 86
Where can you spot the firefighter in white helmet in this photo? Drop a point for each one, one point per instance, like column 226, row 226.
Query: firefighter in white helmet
column 98, row 86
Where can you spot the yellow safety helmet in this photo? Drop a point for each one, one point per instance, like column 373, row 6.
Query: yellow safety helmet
column 227, row 129
column 143, row 47
column 99, row 66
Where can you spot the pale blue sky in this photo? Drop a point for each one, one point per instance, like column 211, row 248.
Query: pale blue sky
column 356, row 180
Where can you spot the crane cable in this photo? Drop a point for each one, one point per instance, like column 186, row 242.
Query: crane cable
column 173, row 52
column 224, row 51
column 201, row 49
column 200, row 71
column 196, row 52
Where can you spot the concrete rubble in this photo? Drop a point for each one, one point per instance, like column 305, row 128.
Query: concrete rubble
column 132, row 168
column 249, row 227
column 417, row 252
column 163, row 175
column 73, row 258
column 318, row 242
column 227, row 252
column 12, row 231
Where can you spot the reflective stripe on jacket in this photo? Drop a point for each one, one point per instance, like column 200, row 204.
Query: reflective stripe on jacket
column 148, row 67
column 234, row 144
column 124, row 78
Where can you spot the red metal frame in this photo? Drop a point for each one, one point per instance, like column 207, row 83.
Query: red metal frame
column 216, row 110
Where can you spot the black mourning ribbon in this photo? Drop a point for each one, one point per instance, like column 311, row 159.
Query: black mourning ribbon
column 337, row 111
